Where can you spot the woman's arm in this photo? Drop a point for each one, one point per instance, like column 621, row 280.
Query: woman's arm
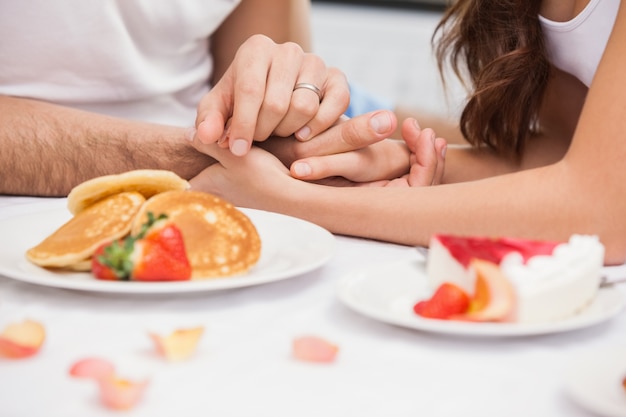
column 581, row 193
column 559, row 114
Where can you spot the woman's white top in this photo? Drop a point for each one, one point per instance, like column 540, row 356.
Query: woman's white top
column 138, row 59
column 576, row 46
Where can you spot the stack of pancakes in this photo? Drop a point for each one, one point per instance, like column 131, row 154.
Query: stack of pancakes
column 220, row 240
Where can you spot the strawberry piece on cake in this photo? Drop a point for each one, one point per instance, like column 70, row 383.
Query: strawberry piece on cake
column 549, row 280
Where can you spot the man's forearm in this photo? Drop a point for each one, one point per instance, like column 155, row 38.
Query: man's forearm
column 47, row 149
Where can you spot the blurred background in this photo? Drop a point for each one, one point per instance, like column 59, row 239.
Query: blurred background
column 385, row 48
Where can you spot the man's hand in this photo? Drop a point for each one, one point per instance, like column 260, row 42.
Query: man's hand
column 257, row 96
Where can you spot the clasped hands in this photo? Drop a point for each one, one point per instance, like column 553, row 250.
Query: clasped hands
column 269, row 96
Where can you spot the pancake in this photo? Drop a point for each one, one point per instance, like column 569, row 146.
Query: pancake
column 80, row 266
column 220, row 240
column 76, row 240
column 147, row 182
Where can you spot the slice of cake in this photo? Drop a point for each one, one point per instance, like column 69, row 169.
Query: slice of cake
column 550, row 280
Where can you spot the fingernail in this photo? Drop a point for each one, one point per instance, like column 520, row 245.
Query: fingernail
column 443, row 151
column 302, row 169
column 380, row 122
column 303, row 133
column 417, row 125
column 190, row 133
column 239, row 147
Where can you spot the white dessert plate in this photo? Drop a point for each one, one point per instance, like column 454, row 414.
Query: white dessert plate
column 387, row 292
column 289, row 247
column 594, row 381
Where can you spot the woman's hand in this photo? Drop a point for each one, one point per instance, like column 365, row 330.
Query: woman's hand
column 271, row 89
column 428, row 155
column 261, row 178
column 356, row 149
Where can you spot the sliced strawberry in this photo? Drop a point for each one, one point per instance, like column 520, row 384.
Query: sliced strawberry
column 161, row 256
column 170, row 237
column 156, row 253
column 111, row 261
column 447, row 301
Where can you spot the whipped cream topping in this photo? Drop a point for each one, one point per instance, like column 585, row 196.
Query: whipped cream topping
column 558, row 286
column 581, row 253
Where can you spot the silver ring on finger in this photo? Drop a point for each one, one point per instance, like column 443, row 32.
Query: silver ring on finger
column 311, row 87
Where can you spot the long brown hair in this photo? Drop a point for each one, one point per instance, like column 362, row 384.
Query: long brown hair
column 496, row 47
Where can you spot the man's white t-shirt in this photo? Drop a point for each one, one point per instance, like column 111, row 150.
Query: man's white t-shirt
column 138, row 59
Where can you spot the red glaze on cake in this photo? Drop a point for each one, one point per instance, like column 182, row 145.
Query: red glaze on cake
column 464, row 249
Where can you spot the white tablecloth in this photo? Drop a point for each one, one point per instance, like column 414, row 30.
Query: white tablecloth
column 244, row 368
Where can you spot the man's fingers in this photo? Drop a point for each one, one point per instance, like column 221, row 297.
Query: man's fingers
column 305, row 95
column 214, row 110
column 249, row 86
column 282, row 76
column 214, row 150
column 335, row 100
column 211, row 129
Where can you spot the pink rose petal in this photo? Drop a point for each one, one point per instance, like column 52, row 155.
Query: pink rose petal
column 314, row 349
column 121, row 394
column 22, row 340
column 115, row 393
column 179, row 345
column 95, row 368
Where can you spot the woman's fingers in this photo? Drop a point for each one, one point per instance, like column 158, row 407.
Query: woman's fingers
column 441, row 146
column 348, row 135
column 351, row 149
column 380, row 161
column 424, row 156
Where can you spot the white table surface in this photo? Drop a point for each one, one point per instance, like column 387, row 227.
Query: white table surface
column 243, row 366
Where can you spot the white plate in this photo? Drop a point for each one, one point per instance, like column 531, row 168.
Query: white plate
column 387, row 292
column 289, row 247
column 594, row 381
